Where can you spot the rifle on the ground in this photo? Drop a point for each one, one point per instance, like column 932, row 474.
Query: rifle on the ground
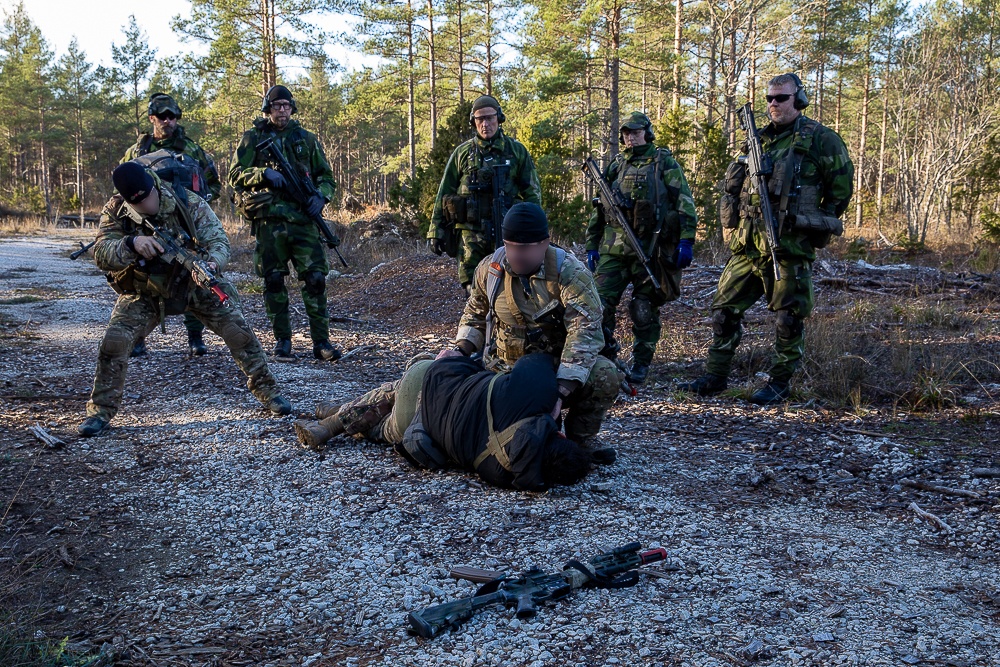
column 174, row 251
column 613, row 203
column 534, row 587
column 83, row 249
column 759, row 167
column 301, row 191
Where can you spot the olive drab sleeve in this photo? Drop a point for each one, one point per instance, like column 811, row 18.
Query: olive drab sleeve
column 211, row 236
column 677, row 186
column 448, row 186
column 472, row 325
column 837, row 173
column 582, row 319
column 243, row 175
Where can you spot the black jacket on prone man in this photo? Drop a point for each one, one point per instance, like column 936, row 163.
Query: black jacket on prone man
column 453, row 413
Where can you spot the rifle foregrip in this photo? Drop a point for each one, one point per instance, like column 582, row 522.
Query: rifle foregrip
column 217, row 291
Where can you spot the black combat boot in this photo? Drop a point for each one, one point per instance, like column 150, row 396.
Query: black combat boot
column 196, row 346
column 92, row 426
column 638, row 374
column 771, row 393
column 601, row 453
column 139, row 349
column 323, row 350
column 278, row 405
column 283, row 348
column 706, row 385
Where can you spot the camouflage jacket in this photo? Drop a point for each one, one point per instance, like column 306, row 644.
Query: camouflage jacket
column 672, row 204
column 302, row 150
column 112, row 252
column 179, row 142
column 825, row 165
column 560, row 314
column 466, row 162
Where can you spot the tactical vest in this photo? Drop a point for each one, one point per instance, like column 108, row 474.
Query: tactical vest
column 256, row 204
column 166, row 282
column 180, row 170
column 653, row 214
column 796, row 206
column 475, row 185
column 541, row 331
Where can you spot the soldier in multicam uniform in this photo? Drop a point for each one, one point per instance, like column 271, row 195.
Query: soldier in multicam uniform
column 662, row 214
column 164, row 114
column 465, row 198
column 810, row 187
column 151, row 288
column 530, row 296
column 284, row 230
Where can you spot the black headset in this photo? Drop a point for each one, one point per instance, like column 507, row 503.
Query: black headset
column 649, row 136
column 500, row 117
column 801, row 99
column 265, row 106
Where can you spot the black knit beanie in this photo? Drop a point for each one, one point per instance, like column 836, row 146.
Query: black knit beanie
column 132, row 181
column 525, row 222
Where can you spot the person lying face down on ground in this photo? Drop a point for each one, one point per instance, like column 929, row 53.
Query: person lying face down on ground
column 450, row 412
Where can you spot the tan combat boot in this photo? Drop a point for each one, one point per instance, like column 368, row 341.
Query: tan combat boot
column 326, row 409
column 315, row 434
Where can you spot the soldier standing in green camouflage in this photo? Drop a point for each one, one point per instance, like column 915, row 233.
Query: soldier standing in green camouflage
column 151, row 288
column 465, row 197
column 284, row 230
column 810, row 187
column 662, row 214
column 164, row 114
column 530, row 296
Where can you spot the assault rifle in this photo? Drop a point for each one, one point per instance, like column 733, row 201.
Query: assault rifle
column 534, row 587
column 498, row 190
column 759, row 167
column 613, row 203
column 83, row 249
column 174, row 251
column 301, row 191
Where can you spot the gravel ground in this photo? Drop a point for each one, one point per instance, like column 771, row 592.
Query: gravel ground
column 196, row 533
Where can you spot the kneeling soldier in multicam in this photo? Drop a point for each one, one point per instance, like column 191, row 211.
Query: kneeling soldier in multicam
column 453, row 412
column 530, row 296
column 810, row 186
column 151, row 288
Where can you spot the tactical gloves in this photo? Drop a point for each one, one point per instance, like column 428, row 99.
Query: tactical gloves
column 274, row 178
column 315, row 205
column 593, row 257
column 437, row 246
column 685, row 253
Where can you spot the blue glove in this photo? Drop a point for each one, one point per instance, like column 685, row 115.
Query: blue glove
column 593, row 257
column 274, row 178
column 685, row 253
column 315, row 205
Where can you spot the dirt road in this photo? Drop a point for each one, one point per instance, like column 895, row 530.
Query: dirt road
column 196, row 533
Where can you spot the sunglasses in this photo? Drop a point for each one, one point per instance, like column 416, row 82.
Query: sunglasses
column 485, row 119
column 780, row 99
column 166, row 115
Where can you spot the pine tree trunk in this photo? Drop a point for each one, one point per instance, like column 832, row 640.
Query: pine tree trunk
column 678, row 25
column 432, row 71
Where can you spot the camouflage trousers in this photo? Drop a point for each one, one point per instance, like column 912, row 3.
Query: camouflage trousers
column 589, row 405
column 613, row 276
column 137, row 315
column 384, row 413
column 472, row 249
column 278, row 243
column 743, row 282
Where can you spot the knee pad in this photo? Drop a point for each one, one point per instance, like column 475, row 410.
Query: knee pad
column 642, row 312
column 789, row 325
column 274, row 282
column 315, row 283
column 725, row 323
column 116, row 343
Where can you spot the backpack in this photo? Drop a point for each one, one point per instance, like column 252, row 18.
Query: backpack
column 178, row 170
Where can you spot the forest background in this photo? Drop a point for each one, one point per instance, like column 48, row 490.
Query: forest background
column 912, row 89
